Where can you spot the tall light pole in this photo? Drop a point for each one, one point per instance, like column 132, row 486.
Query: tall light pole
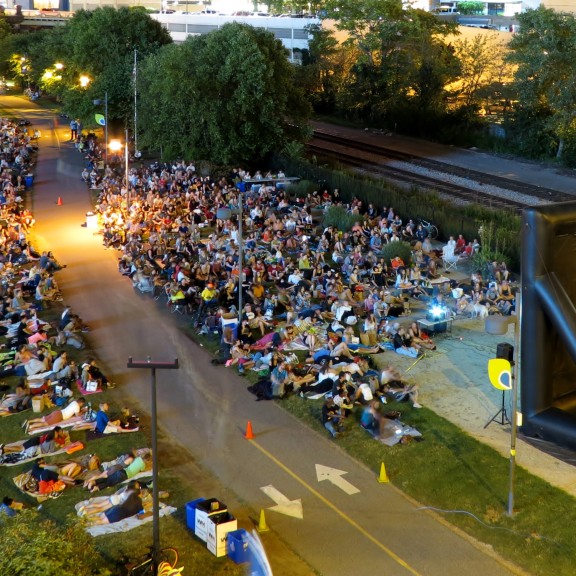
column 153, row 366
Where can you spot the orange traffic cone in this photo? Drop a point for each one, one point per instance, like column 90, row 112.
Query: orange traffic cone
column 262, row 526
column 383, row 477
column 249, row 434
column 59, row 203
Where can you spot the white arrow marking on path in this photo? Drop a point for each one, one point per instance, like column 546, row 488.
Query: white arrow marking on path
column 335, row 476
column 283, row 505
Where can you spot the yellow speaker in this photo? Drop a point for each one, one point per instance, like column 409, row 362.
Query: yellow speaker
column 499, row 372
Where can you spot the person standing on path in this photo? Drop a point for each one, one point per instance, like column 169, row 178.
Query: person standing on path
column 73, row 130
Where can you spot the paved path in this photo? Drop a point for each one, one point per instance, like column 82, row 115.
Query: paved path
column 374, row 530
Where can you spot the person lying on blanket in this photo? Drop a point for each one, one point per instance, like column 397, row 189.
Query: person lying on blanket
column 113, row 508
column 130, row 505
column 118, row 473
column 49, row 480
column 74, row 408
column 51, row 441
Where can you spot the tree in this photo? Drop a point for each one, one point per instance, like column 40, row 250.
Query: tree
column 227, row 96
column 325, row 66
column 33, row 545
column 483, row 68
column 401, row 60
column 100, row 44
column 471, row 7
column 544, row 51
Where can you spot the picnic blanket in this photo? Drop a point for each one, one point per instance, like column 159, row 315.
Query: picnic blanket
column 75, row 423
column 7, row 412
column 9, row 460
column 126, row 524
column 27, row 485
column 392, row 432
column 9, row 452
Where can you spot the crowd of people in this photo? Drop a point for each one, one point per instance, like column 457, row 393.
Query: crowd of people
column 316, row 301
column 39, row 357
column 329, row 293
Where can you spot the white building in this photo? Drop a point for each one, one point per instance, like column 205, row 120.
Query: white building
column 291, row 31
column 509, row 7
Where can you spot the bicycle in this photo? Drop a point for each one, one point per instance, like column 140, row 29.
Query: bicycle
column 430, row 229
column 167, row 560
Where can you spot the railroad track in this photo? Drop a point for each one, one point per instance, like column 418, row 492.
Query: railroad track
column 369, row 157
column 378, row 170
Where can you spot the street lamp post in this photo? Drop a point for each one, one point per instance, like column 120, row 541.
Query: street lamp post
column 153, row 366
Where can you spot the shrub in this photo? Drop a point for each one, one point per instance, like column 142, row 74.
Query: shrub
column 402, row 249
column 33, row 545
column 340, row 218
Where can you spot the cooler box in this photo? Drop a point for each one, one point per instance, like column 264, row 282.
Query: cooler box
column 218, row 526
column 204, row 510
column 191, row 513
column 237, row 546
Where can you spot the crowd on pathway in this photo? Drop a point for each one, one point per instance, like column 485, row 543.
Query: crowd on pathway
column 35, row 362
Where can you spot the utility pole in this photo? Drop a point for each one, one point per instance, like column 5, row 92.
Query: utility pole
column 153, row 366
column 135, row 78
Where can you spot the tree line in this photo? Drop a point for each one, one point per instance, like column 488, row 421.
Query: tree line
column 233, row 96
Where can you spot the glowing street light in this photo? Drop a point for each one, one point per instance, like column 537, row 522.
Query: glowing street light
column 84, row 81
column 116, row 146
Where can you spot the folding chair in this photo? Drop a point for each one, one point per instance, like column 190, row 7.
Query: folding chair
column 449, row 259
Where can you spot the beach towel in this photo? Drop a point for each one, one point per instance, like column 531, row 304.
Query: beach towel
column 12, row 459
column 127, row 523
column 75, row 423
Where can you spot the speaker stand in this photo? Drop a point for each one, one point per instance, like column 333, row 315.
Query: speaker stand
column 501, row 417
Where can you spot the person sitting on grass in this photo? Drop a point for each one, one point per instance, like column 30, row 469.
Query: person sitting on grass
column 391, row 386
column 331, row 417
column 371, row 419
column 106, row 426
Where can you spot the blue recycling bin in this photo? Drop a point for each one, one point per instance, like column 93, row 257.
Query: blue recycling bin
column 191, row 513
column 28, row 180
column 237, row 546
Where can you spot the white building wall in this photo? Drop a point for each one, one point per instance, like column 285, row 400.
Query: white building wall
column 291, row 31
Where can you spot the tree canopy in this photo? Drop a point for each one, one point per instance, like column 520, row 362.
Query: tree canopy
column 544, row 51
column 100, row 44
column 33, row 545
column 402, row 62
column 228, row 96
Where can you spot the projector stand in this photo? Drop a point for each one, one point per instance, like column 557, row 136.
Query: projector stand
column 501, row 417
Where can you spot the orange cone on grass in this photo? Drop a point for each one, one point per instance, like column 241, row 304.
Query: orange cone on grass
column 249, row 435
column 59, row 203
